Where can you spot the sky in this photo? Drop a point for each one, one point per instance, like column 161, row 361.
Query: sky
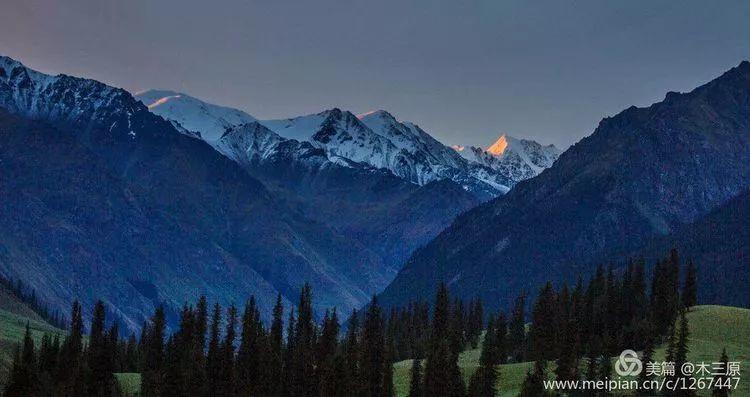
column 466, row 71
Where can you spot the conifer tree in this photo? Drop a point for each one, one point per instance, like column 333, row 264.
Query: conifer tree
column 226, row 384
column 482, row 383
column 458, row 339
column 130, row 359
column 388, row 390
column 302, row 374
column 331, row 369
column 100, row 381
column 690, row 287
column 214, row 356
column 720, row 380
column 69, row 373
column 352, row 354
column 24, row 379
column 415, row 384
column 517, row 330
column 251, row 355
column 646, row 376
column 152, row 373
column 442, row 376
column 277, row 326
column 275, row 357
column 533, row 385
column 197, row 366
column 681, row 352
column 291, row 343
column 372, row 351
column 543, row 327
column 501, row 338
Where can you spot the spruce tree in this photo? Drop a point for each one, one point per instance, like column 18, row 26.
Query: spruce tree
column 197, row 366
column 543, row 327
column 645, row 377
column 721, row 380
column 302, row 375
column 680, row 356
column 388, row 389
column 517, row 330
column 214, row 357
column 251, row 355
column 24, row 379
column 226, row 384
column 100, row 381
column 291, row 345
column 690, row 287
column 326, row 355
column 277, row 326
column 352, row 354
column 152, row 373
column 482, row 383
column 372, row 351
column 415, row 384
column 533, row 385
column 501, row 339
column 69, row 374
column 276, row 350
column 442, row 376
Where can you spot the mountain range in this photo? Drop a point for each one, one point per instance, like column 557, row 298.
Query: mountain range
column 643, row 174
column 373, row 140
column 104, row 197
column 388, row 184
column 160, row 197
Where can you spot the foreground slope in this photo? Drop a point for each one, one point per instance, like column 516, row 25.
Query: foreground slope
column 14, row 315
column 644, row 172
column 712, row 328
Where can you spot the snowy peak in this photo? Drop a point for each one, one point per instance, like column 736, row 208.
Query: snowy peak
column 517, row 159
column 374, row 139
column 248, row 142
column 193, row 116
column 84, row 104
column 498, row 148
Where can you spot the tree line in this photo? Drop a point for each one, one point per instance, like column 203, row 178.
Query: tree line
column 217, row 351
column 28, row 296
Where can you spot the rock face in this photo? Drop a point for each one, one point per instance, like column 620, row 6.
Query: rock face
column 645, row 172
column 103, row 199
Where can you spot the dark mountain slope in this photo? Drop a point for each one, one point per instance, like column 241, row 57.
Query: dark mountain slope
column 719, row 244
column 381, row 211
column 101, row 198
column 641, row 173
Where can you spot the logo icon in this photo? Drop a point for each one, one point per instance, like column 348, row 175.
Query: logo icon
column 628, row 364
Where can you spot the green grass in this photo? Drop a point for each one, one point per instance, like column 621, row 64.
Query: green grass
column 712, row 328
column 12, row 329
column 130, row 383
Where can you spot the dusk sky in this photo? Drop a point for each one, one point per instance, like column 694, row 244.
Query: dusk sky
column 465, row 71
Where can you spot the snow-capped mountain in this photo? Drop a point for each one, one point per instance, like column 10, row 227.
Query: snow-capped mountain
column 374, row 139
column 515, row 158
column 64, row 99
column 193, row 116
column 343, row 136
